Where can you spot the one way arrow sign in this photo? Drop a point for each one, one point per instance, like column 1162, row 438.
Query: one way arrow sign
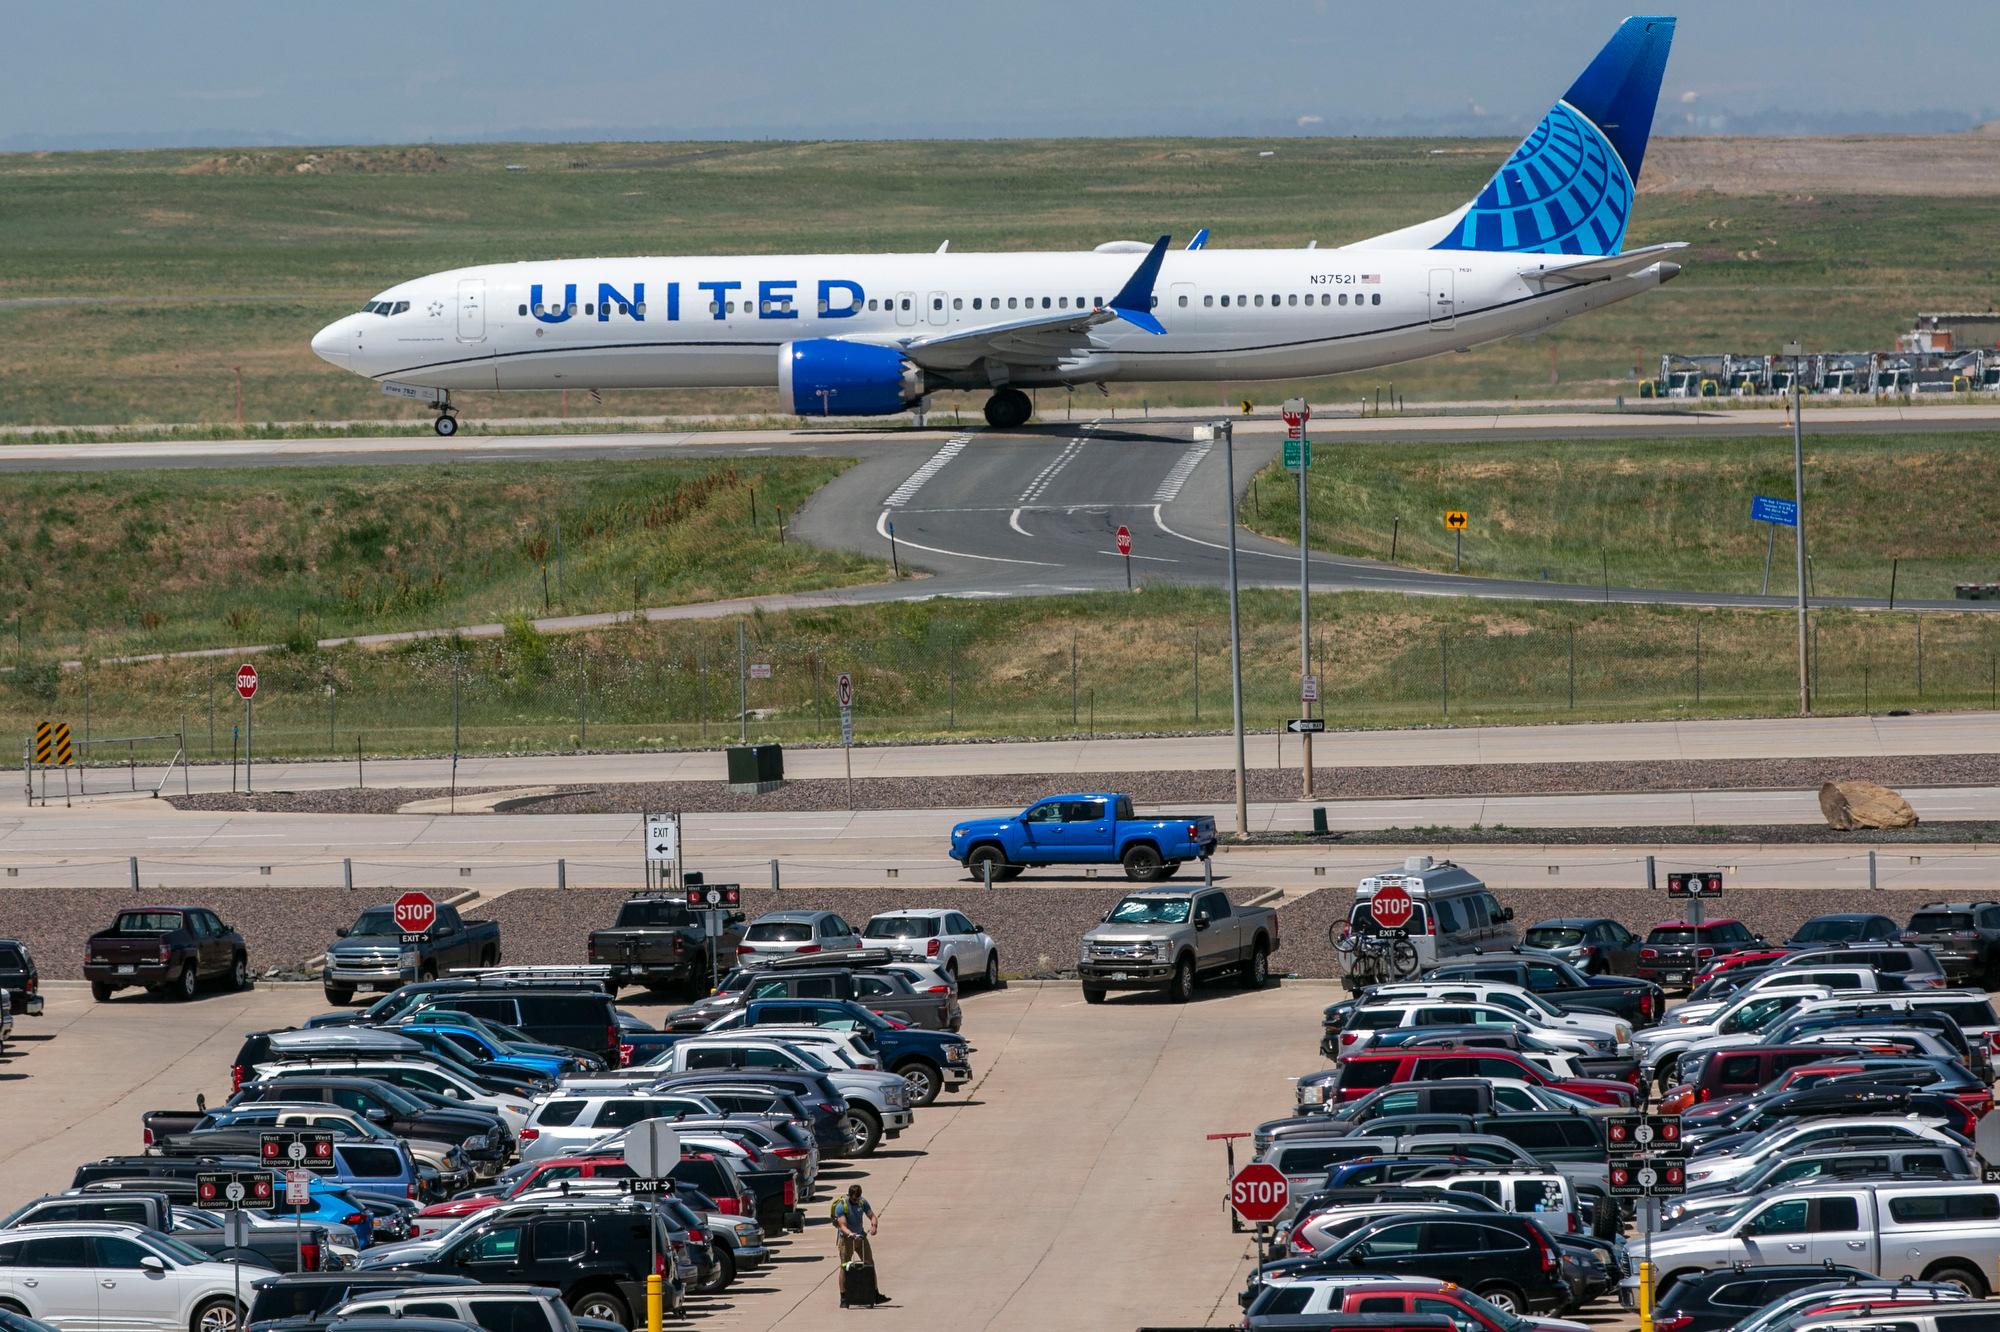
column 1306, row 725
column 663, row 839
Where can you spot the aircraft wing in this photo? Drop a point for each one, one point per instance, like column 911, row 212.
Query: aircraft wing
column 1048, row 341
column 1610, row 266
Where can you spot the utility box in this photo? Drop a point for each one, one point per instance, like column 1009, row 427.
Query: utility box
column 755, row 769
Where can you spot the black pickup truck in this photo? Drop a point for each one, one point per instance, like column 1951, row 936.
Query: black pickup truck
column 1639, row 1002
column 19, row 978
column 658, row 941
column 282, row 1248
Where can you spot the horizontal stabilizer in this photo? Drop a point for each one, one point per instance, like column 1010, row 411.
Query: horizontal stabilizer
column 1611, row 266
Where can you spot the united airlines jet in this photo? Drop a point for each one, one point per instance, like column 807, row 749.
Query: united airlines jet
column 873, row 334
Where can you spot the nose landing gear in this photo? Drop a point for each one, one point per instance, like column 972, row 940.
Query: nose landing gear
column 1008, row 409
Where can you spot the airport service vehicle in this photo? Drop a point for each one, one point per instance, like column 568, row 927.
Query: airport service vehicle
column 938, row 937
column 20, row 978
column 789, row 934
column 169, row 949
column 660, row 942
column 1594, row 945
column 1675, row 950
column 1946, row 1231
column 1164, row 941
column 1560, row 983
column 370, row 954
column 88, row 1275
column 1451, row 914
column 283, row 1247
column 1964, row 937
column 305, row 1301
column 1097, row 828
column 870, row 335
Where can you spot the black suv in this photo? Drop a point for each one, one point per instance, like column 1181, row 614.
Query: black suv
column 1725, row 1296
column 576, row 1019
column 305, row 1301
column 1963, row 936
column 20, row 979
column 597, row 1252
column 1510, row 1260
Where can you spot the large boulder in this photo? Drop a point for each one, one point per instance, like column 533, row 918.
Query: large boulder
column 1851, row 805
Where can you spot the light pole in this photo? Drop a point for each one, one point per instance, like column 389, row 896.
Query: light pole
column 1796, row 351
column 1226, row 432
column 1297, row 409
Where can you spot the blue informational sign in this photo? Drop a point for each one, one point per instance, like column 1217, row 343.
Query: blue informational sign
column 1783, row 512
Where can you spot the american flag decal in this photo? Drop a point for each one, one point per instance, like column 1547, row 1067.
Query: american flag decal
column 1371, row 277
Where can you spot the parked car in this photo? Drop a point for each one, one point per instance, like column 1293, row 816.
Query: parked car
column 344, row 1213
column 1675, row 950
column 1801, row 1136
column 515, row 1307
column 281, row 1247
column 171, row 949
column 1510, row 1261
column 1716, row 1300
column 777, row 934
column 1841, row 928
column 422, row 1078
column 1964, row 937
column 573, row 1018
column 1365, row 1072
column 1094, row 828
column 930, row 1061
column 1724, row 1075
column 1561, row 984
column 660, row 942
column 1164, row 941
column 370, row 954
column 1452, row 914
column 561, row 1122
column 482, row 1134
column 940, row 937
column 305, row 1301
column 20, row 979
column 1855, row 1159
column 1402, row 1296
column 1594, row 945
column 1918, row 967
column 69, row 1274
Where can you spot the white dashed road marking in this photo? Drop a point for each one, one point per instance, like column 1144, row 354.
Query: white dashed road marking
column 906, row 492
column 1170, row 485
column 1040, row 484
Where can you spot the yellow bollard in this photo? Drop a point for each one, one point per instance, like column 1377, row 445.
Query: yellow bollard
column 1645, row 1297
column 656, row 1301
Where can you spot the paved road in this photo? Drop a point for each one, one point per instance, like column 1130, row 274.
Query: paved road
column 1043, row 1198
column 89, row 847
column 1608, row 742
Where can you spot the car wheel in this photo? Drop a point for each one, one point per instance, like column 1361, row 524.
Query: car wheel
column 239, row 973
column 100, row 992
column 864, row 1131
column 1504, row 1298
column 1954, row 1274
column 981, row 857
column 189, row 982
column 951, row 971
column 339, row 994
column 1091, row 996
column 1181, row 989
column 992, row 968
column 1257, row 971
column 601, row 1304
column 427, row 972
column 1142, row 864
column 725, row 1271
column 216, row 1316
column 924, row 1079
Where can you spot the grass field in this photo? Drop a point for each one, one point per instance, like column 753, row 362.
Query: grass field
column 1152, row 662
column 1658, row 513
column 115, row 563
column 175, row 270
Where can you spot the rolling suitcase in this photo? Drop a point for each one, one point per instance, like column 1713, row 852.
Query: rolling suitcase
column 857, row 1285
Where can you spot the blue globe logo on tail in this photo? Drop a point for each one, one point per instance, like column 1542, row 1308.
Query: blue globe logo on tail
column 1564, row 191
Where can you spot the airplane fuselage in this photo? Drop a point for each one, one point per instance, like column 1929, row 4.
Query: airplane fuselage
column 721, row 321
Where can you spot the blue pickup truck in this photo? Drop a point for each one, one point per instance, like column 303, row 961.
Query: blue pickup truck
column 1093, row 829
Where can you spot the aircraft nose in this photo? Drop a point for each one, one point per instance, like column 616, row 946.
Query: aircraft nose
column 331, row 346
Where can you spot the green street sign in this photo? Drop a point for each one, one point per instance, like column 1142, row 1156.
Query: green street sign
column 1293, row 449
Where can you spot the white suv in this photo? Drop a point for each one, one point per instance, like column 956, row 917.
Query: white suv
column 106, row 1275
column 564, row 1121
column 945, row 939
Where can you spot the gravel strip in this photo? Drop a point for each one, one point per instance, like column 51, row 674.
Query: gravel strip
column 1170, row 788
column 1971, row 831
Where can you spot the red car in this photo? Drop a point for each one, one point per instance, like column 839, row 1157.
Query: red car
column 1676, row 949
column 1730, row 1075
column 442, row 1216
column 1749, row 957
column 1363, row 1073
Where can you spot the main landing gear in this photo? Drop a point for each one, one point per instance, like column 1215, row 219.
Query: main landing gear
column 1008, row 409
column 447, row 423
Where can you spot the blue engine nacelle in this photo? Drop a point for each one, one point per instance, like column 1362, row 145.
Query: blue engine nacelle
column 835, row 377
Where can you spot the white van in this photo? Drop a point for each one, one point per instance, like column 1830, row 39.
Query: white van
column 1453, row 914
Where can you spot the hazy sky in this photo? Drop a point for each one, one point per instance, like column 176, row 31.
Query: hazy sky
column 199, row 72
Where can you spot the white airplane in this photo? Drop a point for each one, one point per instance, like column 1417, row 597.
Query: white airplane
column 872, row 335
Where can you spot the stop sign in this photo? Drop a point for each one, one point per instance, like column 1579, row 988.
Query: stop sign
column 1391, row 907
column 246, row 680
column 1124, row 541
column 1259, row 1192
column 415, row 913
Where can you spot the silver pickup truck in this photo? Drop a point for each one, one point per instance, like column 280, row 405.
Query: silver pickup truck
column 1166, row 940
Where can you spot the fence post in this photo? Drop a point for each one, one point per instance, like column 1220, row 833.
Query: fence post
column 774, row 874
column 1572, row 668
column 1871, row 870
column 134, row 863
column 986, row 873
column 1072, row 681
column 1652, row 877
column 347, row 873
column 1920, row 656
column 1444, row 675
column 360, row 776
column 1197, row 677
column 1697, row 662
column 562, row 876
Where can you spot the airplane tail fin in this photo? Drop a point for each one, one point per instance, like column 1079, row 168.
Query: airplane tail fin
column 1568, row 188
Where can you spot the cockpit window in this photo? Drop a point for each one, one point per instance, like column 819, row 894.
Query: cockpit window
column 400, row 307
column 385, row 307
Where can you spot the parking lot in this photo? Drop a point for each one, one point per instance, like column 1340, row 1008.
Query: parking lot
column 1070, row 1186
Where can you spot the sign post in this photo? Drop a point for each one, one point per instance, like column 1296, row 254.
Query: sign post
column 415, row 913
column 1259, row 1193
column 663, row 844
column 1125, row 549
column 246, row 685
column 1696, row 886
column 652, row 1150
column 1797, row 351
column 1455, row 520
column 843, row 692
column 1776, row 513
column 1647, row 1159
column 715, row 901
column 1297, row 412
column 230, row 1192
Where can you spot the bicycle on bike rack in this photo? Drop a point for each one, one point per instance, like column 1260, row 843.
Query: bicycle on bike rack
column 1370, row 959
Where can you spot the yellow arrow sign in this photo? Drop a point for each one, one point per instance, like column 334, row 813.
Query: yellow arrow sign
column 1455, row 519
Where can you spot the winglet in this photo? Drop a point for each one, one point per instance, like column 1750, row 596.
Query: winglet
column 1134, row 301
column 1200, row 239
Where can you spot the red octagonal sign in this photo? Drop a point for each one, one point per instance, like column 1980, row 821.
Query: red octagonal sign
column 1391, row 907
column 246, row 680
column 415, row 913
column 1259, row 1192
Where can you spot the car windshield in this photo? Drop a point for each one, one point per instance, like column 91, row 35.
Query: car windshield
column 376, row 923
column 1553, row 936
column 902, row 927
column 780, row 931
column 1150, row 911
column 1828, row 931
column 1924, row 922
column 175, row 1249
